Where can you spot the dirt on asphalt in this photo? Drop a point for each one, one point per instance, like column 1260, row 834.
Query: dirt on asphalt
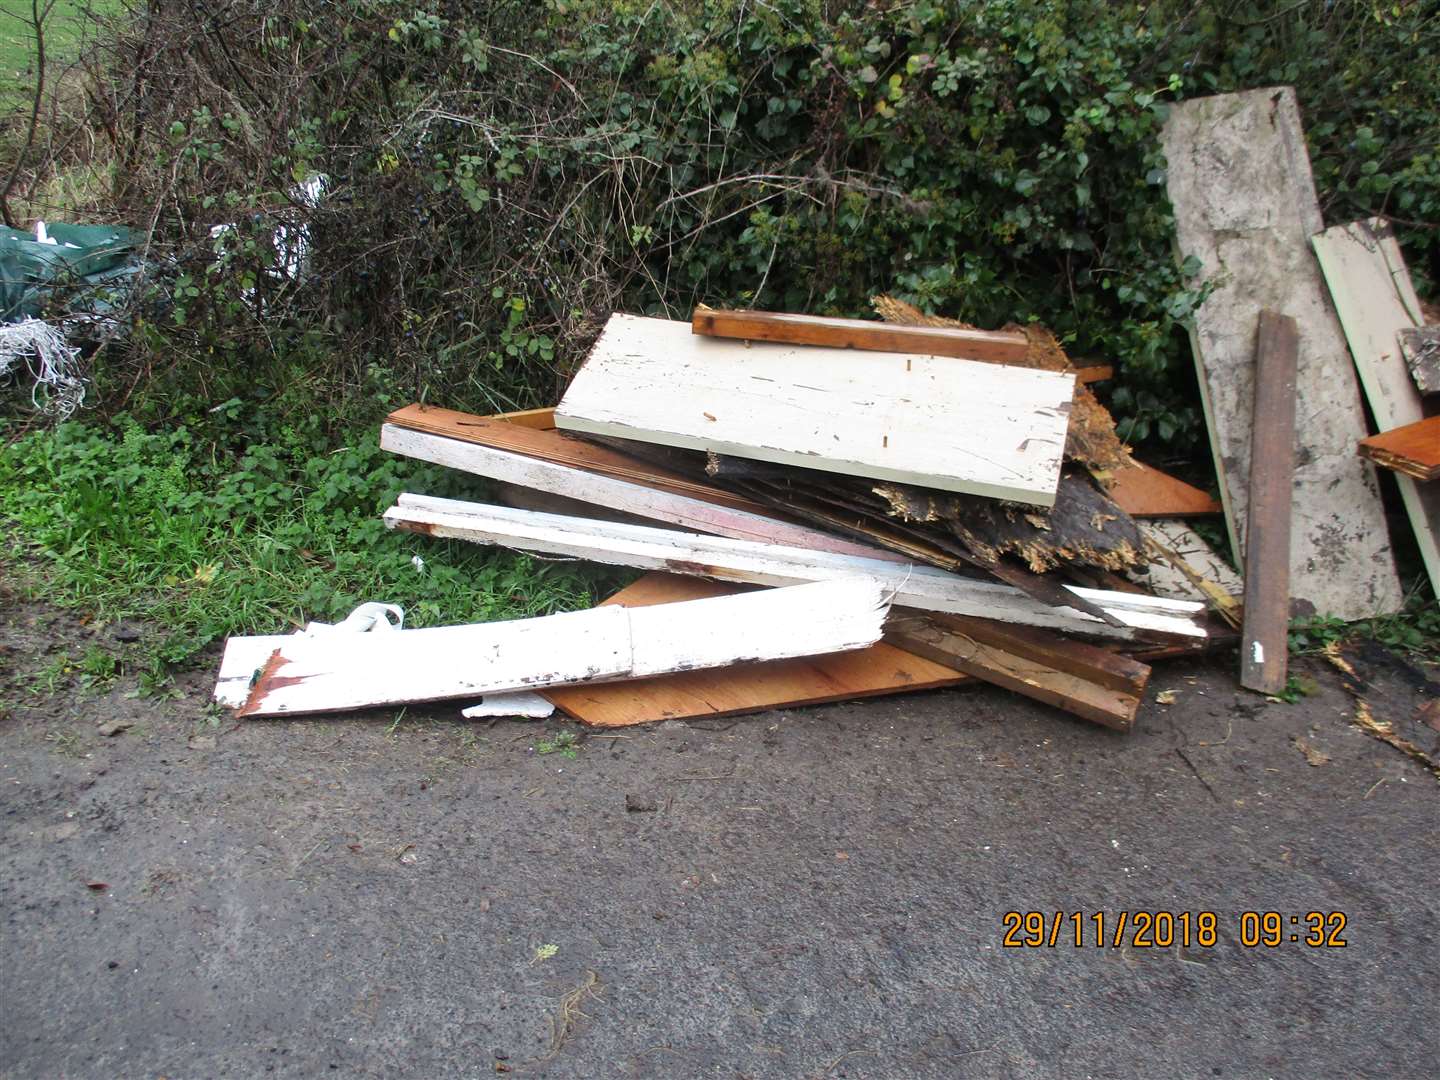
column 811, row 893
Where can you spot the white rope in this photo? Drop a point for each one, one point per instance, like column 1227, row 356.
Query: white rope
column 52, row 362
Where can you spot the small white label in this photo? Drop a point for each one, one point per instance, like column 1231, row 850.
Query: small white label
column 1257, row 652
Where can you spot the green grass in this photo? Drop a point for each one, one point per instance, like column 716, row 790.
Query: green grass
column 72, row 23
column 204, row 541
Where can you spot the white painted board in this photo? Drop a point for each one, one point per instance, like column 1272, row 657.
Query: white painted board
column 923, row 587
column 1375, row 299
column 940, row 422
column 536, row 474
column 1244, row 202
column 356, row 671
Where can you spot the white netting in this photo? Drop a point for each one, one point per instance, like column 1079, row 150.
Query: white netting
column 53, row 364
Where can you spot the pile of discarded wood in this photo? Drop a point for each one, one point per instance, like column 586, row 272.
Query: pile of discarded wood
column 836, row 508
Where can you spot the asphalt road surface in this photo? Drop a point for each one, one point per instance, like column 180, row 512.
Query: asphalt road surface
column 813, row 893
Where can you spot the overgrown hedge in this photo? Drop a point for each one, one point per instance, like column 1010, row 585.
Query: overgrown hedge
column 503, row 175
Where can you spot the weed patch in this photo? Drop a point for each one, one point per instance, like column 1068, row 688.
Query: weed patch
column 207, row 541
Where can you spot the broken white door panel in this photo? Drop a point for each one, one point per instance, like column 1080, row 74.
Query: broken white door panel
column 338, row 672
column 939, row 422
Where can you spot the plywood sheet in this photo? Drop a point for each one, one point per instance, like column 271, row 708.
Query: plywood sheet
column 880, row 669
column 1142, row 491
column 1413, row 449
column 957, row 425
column 1244, row 202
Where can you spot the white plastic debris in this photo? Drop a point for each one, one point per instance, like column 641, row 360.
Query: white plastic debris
column 52, row 362
column 516, row 703
column 369, row 616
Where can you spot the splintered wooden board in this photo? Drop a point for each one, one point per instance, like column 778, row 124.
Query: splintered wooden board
column 1413, row 449
column 940, row 422
column 1373, row 295
column 1142, row 491
column 745, row 688
column 1240, row 183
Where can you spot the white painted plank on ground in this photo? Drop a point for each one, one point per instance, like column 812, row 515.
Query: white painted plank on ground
column 923, row 587
column 957, row 425
column 339, row 672
column 540, row 475
column 1240, row 183
column 1375, row 300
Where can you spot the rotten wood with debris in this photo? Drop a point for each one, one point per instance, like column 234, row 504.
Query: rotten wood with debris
column 1420, row 346
column 1080, row 679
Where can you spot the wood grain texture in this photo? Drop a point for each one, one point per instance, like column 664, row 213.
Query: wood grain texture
column 548, row 443
column 1264, row 634
column 1413, row 449
column 956, row 425
column 720, row 557
column 1373, row 295
column 878, row 670
column 1079, row 679
column 991, row 346
column 1244, row 201
column 1145, row 492
column 539, row 474
column 1420, row 345
column 355, row 671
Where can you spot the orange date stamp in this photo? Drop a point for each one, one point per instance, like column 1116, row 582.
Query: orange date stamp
column 1164, row 929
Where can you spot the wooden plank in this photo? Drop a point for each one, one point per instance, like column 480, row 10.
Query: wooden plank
column 1093, row 373
column 1264, row 633
column 639, row 500
column 1413, row 449
column 357, row 671
column 1080, row 679
column 775, row 564
column 957, row 425
column 551, row 445
column 1420, row 345
column 878, row 670
column 994, row 347
column 1373, row 295
column 1240, row 184
column 1145, row 492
